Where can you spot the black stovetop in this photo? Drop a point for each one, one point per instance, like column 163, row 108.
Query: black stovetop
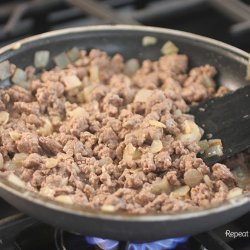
column 228, row 21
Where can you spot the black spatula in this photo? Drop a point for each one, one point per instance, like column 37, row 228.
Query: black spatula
column 226, row 118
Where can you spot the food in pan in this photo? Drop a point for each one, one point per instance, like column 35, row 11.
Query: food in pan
column 103, row 133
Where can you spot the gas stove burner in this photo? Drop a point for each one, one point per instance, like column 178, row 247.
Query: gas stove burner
column 70, row 241
column 106, row 244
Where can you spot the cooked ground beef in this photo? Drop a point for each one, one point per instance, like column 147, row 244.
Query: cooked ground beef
column 93, row 136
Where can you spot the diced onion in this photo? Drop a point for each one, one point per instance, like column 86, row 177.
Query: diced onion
column 214, row 142
column 46, row 129
column 180, row 192
column 192, row 132
column 215, row 148
column 62, row 60
column 211, row 147
column 41, row 59
column 169, row 48
column 108, row 208
column 131, row 153
column 78, row 112
column 149, row 40
column 161, row 186
column 64, row 199
column 234, row 192
column 15, row 180
column 177, row 112
column 19, row 76
column 46, row 191
column 9, row 165
column 208, row 181
column 51, row 163
column 71, row 82
column 156, row 146
column 204, row 145
column 188, row 126
column 87, row 92
column 94, row 74
column 156, row 124
column 24, row 84
column 131, row 66
column 73, row 54
column 1, row 161
column 4, row 117
column 19, row 158
column 4, row 70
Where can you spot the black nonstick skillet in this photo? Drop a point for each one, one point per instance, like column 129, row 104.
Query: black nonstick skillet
column 231, row 65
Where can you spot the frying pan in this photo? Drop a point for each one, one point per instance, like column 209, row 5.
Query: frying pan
column 231, row 64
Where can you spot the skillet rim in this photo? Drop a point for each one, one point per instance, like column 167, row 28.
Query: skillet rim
column 50, row 204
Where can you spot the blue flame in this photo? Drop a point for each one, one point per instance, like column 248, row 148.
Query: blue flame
column 166, row 244
column 158, row 245
column 104, row 244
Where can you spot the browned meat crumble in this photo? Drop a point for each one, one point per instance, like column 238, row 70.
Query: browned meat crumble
column 93, row 136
